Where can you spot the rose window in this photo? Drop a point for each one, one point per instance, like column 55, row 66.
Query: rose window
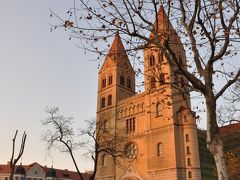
column 131, row 150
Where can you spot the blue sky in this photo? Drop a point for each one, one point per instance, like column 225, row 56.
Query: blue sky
column 39, row 68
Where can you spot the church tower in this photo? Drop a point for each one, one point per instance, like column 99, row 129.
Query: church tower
column 116, row 82
column 116, row 78
column 159, row 124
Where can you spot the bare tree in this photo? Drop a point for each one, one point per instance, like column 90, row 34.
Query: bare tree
column 104, row 141
column 209, row 32
column 62, row 136
column 229, row 111
column 13, row 161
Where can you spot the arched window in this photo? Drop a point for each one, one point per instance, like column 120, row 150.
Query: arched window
column 153, row 82
column 189, row 162
column 130, row 111
column 103, row 102
column 110, row 79
column 126, row 112
column 159, row 109
column 104, row 159
column 159, row 149
column 105, row 126
column 187, row 137
column 109, row 100
column 151, row 60
column 162, row 78
column 122, row 80
column 189, row 174
column 128, row 82
column 103, row 82
column 160, row 57
column 142, row 107
column 188, row 150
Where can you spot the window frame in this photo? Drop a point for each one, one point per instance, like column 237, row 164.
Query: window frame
column 122, row 80
column 160, row 149
column 104, row 82
column 129, row 83
column 110, row 79
column 151, row 60
column 109, row 100
column 130, row 125
column 159, row 109
column 153, row 83
column 103, row 102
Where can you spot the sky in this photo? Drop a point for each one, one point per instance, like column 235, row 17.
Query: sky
column 39, row 68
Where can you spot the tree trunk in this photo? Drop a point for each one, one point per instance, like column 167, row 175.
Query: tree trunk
column 214, row 140
column 12, row 168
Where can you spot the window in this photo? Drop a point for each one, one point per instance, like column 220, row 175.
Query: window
column 110, row 79
column 162, row 78
column 109, row 100
column 153, row 82
column 103, row 82
column 188, row 150
column 159, row 109
column 187, row 137
column 151, row 60
column 105, row 126
column 103, row 102
column 159, row 149
column 6, row 178
column 130, row 125
column 122, row 80
column 127, row 124
column 104, row 159
column 131, row 150
column 128, row 82
column 189, row 162
column 160, row 57
column 189, row 174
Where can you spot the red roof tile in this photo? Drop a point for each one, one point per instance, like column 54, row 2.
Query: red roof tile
column 5, row 169
column 230, row 129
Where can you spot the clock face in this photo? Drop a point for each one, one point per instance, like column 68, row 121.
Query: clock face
column 131, row 150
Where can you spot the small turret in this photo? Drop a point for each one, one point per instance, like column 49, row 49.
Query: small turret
column 20, row 170
column 51, row 174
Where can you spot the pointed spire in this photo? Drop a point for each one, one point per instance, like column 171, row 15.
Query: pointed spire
column 162, row 24
column 117, row 48
column 117, row 53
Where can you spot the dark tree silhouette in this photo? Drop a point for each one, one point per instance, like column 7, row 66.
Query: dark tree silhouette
column 13, row 160
column 61, row 135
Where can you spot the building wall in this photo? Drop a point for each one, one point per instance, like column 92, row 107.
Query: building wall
column 155, row 123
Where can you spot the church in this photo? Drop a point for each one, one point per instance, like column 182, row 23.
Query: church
column 161, row 130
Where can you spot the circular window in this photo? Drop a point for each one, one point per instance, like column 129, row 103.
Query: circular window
column 131, row 150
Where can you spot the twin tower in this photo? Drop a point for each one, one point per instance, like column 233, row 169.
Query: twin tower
column 159, row 128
